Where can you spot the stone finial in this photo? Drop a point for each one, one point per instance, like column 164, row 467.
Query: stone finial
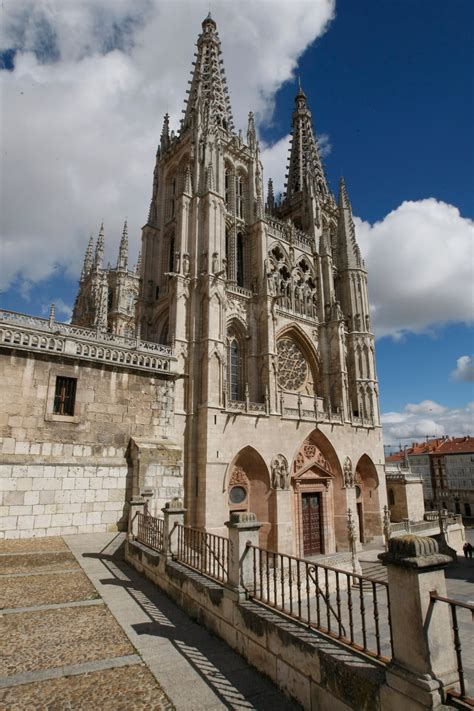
column 88, row 259
column 251, row 133
column 138, row 267
column 52, row 315
column 175, row 503
column 210, row 182
column 122, row 262
column 270, row 197
column 414, row 552
column 188, row 183
column 242, row 517
column 99, row 249
column 165, row 134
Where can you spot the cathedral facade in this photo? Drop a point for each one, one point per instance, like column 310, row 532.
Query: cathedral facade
column 233, row 366
column 265, row 305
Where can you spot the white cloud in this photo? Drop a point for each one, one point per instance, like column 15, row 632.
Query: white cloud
column 425, row 407
column 427, row 419
column 83, row 107
column 464, row 369
column 419, row 259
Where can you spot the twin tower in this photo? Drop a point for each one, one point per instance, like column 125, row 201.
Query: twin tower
column 265, row 304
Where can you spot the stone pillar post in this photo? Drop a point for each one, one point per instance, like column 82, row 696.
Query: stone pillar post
column 243, row 528
column 137, row 505
column 423, row 663
column 173, row 514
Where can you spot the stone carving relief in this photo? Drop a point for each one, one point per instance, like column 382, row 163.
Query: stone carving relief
column 348, row 474
column 238, row 478
column 291, row 282
column 280, row 472
column 292, row 365
column 310, row 454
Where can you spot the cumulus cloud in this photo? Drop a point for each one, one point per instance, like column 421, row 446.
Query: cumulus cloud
column 464, row 369
column 82, row 108
column 427, row 419
column 419, row 259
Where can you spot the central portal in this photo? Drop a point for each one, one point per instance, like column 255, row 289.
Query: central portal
column 311, row 515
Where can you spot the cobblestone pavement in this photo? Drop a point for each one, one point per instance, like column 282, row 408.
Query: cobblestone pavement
column 46, row 589
column 73, row 655
column 68, row 635
column 110, row 690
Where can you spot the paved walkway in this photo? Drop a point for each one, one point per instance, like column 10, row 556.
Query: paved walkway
column 196, row 670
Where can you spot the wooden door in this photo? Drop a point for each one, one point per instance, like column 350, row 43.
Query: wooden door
column 311, row 510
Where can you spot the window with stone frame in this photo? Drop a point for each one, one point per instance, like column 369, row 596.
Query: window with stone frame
column 293, row 370
column 235, row 365
column 64, row 396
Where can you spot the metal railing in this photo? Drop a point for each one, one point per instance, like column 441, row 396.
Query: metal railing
column 205, row 552
column 150, row 531
column 453, row 606
column 351, row 608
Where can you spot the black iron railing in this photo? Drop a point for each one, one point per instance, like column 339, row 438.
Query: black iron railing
column 205, row 552
column 351, row 608
column 456, row 606
column 150, row 531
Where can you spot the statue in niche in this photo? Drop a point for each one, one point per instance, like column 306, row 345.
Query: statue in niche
column 280, row 472
column 215, row 262
column 177, row 262
column 224, row 267
column 357, row 322
column 367, row 323
column 186, row 265
column 204, row 263
column 348, row 473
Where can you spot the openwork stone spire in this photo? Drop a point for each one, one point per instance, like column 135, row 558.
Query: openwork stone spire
column 208, row 92
column 305, row 169
column 348, row 249
column 122, row 262
column 99, row 249
column 88, row 259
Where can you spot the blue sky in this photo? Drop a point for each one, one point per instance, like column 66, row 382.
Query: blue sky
column 390, row 85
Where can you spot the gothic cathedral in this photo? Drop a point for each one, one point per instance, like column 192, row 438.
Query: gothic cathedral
column 265, row 305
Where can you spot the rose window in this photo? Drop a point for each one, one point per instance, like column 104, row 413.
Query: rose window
column 292, row 366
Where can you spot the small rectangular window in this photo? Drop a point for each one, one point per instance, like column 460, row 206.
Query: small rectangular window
column 65, row 396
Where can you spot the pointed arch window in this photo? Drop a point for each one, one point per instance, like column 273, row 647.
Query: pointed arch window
column 239, row 196
column 235, row 365
column 240, row 259
column 171, row 254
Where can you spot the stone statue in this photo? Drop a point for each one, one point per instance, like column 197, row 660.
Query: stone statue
column 186, row 265
column 280, row 473
column 348, row 474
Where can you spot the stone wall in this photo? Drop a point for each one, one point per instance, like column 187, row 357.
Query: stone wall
column 61, row 474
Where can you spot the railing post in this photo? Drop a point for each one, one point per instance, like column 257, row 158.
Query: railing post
column 173, row 514
column 243, row 528
column 423, row 662
column 137, row 505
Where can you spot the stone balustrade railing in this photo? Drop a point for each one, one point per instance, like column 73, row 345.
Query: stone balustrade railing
column 234, row 289
column 32, row 333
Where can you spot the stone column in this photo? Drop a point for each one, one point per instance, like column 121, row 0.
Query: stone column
column 173, row 514
column 243, row 528
column 137, row 505
column 423, row 663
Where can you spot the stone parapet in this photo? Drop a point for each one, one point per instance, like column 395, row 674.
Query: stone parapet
column 30, row 333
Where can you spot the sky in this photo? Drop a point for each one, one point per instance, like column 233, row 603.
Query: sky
column 84, row 86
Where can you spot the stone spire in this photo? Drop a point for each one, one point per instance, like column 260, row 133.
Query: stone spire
column 99, row 249
column 138, row 266
column 208, row 88
column 165, row 134
column 348, row 251
column 88, row 259
column 305, row 168
column 122, row 262
column 270, row 197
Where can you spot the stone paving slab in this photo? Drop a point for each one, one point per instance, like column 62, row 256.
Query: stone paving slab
column 52, row 638
column 45, row 589
column 130, row 688
column 10, row 564
column 32, row 545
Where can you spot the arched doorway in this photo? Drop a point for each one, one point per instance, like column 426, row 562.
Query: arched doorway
column 248, row 489
column 316, row 481
column 367, row 498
